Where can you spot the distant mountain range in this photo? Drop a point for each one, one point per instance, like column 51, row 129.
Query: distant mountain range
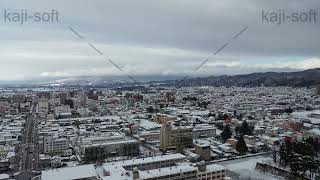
column 307, row 78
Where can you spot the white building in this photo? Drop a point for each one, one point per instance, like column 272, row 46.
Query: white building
column 54, row 145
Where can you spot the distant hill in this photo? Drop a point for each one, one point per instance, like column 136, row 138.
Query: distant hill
column 307, row 78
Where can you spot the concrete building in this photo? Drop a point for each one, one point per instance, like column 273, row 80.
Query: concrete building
column 204, row 151
column 232, row 142
column 62, row 111
column 171, row 136
column 181, row 171
column 167, row 167
column 163, row 118
column 18, row 98
column 148, row 135
column 71, row 173
column 203, row 131
column 211, row 171
column 149, row 163
column 53, row 145
column 251, row 140
column 110, row 149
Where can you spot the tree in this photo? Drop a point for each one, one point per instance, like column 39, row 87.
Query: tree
column 296, row 164
column 219, row 125
column 226, row 133
column 237, row 129
column 239, row 116
column 150, row 109
column 244, row 129
column 211, row 114
column 288, row 110
column 76, row 123
column 241, row 146
column 300, row 156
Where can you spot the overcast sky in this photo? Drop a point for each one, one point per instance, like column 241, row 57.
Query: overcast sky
column 167, row 37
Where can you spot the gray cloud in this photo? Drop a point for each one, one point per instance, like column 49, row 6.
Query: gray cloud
column 156, row 37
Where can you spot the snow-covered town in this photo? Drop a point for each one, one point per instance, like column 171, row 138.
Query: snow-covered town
column 158, row 133
column 159, row 90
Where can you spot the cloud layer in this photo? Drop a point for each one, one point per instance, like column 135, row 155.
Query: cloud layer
column 156, row 38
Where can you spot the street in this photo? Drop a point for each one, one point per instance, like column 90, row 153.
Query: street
column 27, row 162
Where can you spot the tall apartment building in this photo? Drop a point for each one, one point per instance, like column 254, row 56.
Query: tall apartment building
column 171, row 136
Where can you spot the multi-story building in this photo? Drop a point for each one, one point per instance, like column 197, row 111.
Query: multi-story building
column 181, row 171
column 150, row 162
column 53, row 145
column 204, row 151
column 211, row 171
column 18, row 98
column 203, row 131
column 62, row 111
column 167, row 167
column 163, row 118
column 93, row 152
column 148, row 135
column 171, row 136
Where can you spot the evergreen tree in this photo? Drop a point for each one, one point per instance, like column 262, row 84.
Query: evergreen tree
column 226, row 133
column 150, row 109
column 296, row 164
column 241, row 146
column 300, row 156
column 237, row 129
column 219, row 125
column 244, row 129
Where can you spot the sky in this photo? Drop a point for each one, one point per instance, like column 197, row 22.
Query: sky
column 167, row 37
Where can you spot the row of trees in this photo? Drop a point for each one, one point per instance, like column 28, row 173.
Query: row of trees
column 243, row 130
column 301, row 156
